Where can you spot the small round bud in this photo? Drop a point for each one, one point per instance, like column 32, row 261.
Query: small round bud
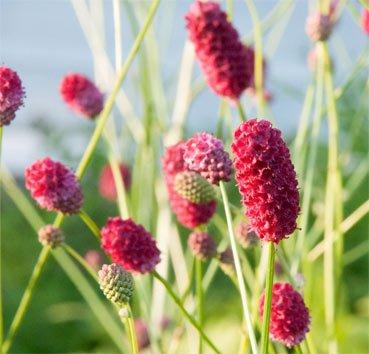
column 202, row 245
column 193, row 187
column 94, row 259
column 246, row 237
column 226, row 262
column 51, row 236
column 116, row 284
column 319, row 27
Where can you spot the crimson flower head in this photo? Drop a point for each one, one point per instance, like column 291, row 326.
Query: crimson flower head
column 289, row 319
column 266, row 179
column 129, row 245
column 54, row 186
column 205, row 154
column 188, row 213
column 202, row 245
column 365, row 21
column 81, row 95
column 107, row 187
column 227, row 64
column 11, row 94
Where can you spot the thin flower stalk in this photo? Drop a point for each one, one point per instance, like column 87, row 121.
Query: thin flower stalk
column 200, row 300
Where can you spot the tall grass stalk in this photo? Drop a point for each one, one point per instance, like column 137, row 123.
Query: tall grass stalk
column 200, row 299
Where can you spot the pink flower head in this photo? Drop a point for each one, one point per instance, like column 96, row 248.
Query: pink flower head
column 266, row 179
column 202, row 245
column 365, row 21
column 205, row 154
column 290, row 319
column 319, row 26
column 54, row 186
column 143, row 339
column 129, row 245
column 107, row 187
column 227, row 64
column 94, row 259
column 188, row 213
column 11, row 94
column 81, row 95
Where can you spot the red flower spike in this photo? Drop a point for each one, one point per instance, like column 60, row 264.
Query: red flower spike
column 129, row 245
column 290, row 319
column 266, row 179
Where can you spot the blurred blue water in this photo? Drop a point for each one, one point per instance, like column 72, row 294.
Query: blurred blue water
column 43, row 40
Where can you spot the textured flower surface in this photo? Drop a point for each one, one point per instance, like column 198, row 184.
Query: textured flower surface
column 54, row 186
column 365, row 21
column 107, row 187
column 129, row 245
column 227, row 64
column 188, row 213
column 290, row 319
column 205, row 154
column 202, row 245
column 50, row 235
column 116, row 284
column 245, row 236
column 11, row 94
column 318, row 26
column 81, row 95
column 266, row 179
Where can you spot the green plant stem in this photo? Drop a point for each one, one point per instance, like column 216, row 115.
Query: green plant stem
column 130, row 329
column 238, row 267
column 178, row 302
column 1, row 268
column 90, row 224
column 241, row 112
column 297, row 349
column 268, row 299
column 200, row 299
column 25, row 301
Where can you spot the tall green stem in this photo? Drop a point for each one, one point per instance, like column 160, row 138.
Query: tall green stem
column 200, row 298
column 237, row 263
column 90, row 224
column 1, row 269
column 23, row 306
column 131, row 331
column 178, row 302
column 268, row 299
column 241, row 112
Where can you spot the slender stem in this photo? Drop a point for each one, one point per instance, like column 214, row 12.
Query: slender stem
column 240, row 279
column 1, row 268
column 131, row 331
column 178, row 302
column 297, row 349
column 241, row 112
column 200, row 299
column 189, row 285
column 90, row 223
column 268, row 299
column 27, row 295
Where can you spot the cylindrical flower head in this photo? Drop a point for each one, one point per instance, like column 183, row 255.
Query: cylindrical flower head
column 290, row 319
column 266, row 179
column 202, row 245
column 365, row 21
column 226, row 262
column 227, row 64
column 51, row 236
column 129, row 245
column 11, row 94
column 189, row 214
column 54, row 186
column 205, row 154
column 319, row 27
column 81, row 95
column 245, row 236
column 143, row 339
column 116, row 284
column 193, row 187
column 107, row 187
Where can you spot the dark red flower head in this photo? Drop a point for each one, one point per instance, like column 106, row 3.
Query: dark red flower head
column 205, row 154
column 266, row 179
column 81, row 95
column 11, row 94
column 290, row 319
column 107, row 184
column 129, row 245
column 188, row 213
column 228, row 65
column 54, row 186
column 202, row 245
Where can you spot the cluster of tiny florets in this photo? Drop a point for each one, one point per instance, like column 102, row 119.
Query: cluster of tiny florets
column 54, row 186
column 189, row 214
column 193, row 187
column 107, row 187
column 116, row 284
column 205, row 154
column 290, row 319
column 245, row 236
column 51, row 236
column 227, row 63
column 81, row 95
column 11, row 94
column 266, row 179
column 202, row 245
column 319, row 26
column 129, row 245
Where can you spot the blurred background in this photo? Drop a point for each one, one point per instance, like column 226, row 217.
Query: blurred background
column 43, row 41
